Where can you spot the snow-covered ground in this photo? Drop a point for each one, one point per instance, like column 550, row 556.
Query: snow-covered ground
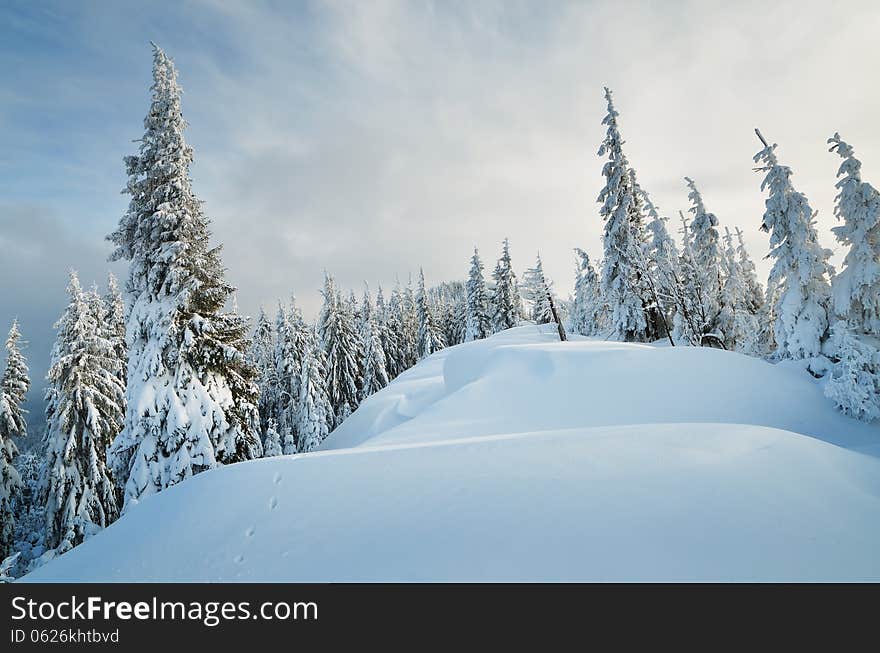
column 521, row 458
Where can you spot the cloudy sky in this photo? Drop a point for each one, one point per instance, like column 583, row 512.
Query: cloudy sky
column 371, row 138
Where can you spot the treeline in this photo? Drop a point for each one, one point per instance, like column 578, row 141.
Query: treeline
column 152, row 385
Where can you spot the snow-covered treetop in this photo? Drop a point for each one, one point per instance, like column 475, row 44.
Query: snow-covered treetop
column 703, row 223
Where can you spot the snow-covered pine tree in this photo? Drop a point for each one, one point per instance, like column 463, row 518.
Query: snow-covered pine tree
column 755, row 292
column 262, row 352
column 506, row 300
column 687, row 322
column 9, row 487
column 664, row 267
column 116, row 322
column 642, row 258
column 801, row 270
column 854, row 382
column 478, row 323
column 409, row 319
column 339, row 341
column 447, row 302
column 391, row 332
column 736, row 322
column 272, row 441
column 707, row 263
column 619, row 283
column 315, row 412
column 353, row 311
column 374, row 363
column 291, row 339
column 85, row 411
column 430, row 338
column 587, row 308
column 856, row 288
column 14, row 385
column 278, row 399
column 537, row 291
column 454, row 315
column 191, row 393
column 381, row 312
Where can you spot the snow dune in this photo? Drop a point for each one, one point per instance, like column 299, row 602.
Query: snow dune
column 520, row 458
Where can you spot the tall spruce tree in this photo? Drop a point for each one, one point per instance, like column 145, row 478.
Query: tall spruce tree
column 737, row 320
column 191, row 393
column 801, row 271
column 85, row 410
column 314, row 409
column 506, row 300
column 374, row 364
column 587, row 309
column 339, row 340
column 856, row 288
column 262, row 352
column 272, row 441
column 707, row 261
column 537, row 290
column 409, row 319
column 478, row 323
column 755, row 292
column 854, row 382
column 115, row 323
column 619, row 282
column 14, row 385
column 430, row 338
column 392, row 334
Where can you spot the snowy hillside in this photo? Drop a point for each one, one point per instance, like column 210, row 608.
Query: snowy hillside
column 521, row 458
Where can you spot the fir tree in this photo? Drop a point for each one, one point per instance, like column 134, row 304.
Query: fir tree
column 262, row 352
column 14, row 385
column 115, row 324
column 755, row 293
column 339, row 341
column 409, row 320
column 272, row 441
column 854, row 382
column 856, row 288
column 430, row 339
column 85, row 411
column 688, row 320
column 706, row 262
column 477, row 321
column 394, row 336
column 374, row 363
column 587, row 308
column 619, row 281
column 537, row 290
column 801, row 270
column 191, row 393
column 315, row 411
column 736, row 321
column 506, row 301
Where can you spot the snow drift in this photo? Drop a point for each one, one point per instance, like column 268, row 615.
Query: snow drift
column 520, row 458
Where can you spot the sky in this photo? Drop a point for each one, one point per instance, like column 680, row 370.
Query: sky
column 369, row 139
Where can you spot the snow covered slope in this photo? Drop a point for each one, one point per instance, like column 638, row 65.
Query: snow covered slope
column 518, row 458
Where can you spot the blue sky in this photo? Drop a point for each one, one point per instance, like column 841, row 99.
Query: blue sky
column 371, row 138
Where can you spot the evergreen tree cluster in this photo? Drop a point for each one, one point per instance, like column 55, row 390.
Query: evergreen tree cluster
column 163, row 379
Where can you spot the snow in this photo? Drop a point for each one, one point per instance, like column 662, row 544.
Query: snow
column 521, row 458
